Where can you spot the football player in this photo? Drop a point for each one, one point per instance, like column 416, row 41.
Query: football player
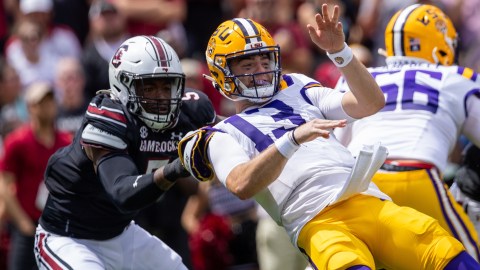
column 123, row 158
column 429, row 102
column 280, row 152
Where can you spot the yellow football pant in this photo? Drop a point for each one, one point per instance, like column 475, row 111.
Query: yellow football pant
column 425, row 191
column 365, row 230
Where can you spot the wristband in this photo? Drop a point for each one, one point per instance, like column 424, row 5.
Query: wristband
column 343, row 57
column 286, row 145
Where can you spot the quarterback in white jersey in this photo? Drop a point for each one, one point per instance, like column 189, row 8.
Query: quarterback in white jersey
column 429, row 102
column 278, row 150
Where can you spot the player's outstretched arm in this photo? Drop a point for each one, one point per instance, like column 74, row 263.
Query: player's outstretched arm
column 248, row 178
column 365, row 97
column 127, row 188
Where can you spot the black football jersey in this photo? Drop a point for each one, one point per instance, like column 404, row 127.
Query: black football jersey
column 78, row 204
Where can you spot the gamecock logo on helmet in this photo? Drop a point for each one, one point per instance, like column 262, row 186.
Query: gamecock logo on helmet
column 117, row 58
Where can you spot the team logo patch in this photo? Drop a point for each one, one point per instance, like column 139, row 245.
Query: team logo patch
column 339, row 60
column 143, row 132
column 117, row 58
column 175, row 136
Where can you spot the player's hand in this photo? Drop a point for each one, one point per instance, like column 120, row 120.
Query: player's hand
column 328, row 34
column 317, row 128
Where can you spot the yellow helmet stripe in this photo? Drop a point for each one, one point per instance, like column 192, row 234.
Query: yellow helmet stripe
column 398, row 42
column 249, row 30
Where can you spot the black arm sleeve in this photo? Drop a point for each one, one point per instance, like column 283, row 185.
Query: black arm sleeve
column 122, row 182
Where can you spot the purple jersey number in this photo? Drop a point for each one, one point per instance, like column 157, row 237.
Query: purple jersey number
column 411, row 89
column 262, row 141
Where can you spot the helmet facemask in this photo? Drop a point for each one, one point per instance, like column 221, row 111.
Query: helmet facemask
column 240, row 38
column 157, row 108
column 258, row 90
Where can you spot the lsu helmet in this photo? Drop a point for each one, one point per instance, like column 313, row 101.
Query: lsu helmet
column 424, row 32
column 241, row 37
column 147, row 57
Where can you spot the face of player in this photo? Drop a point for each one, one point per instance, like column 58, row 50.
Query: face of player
column 254, row 70
column 154, row 94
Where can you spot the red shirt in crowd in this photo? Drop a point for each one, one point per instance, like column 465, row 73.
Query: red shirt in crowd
column 27, row 159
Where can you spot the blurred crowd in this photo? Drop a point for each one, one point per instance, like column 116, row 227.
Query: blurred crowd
column 67, row 44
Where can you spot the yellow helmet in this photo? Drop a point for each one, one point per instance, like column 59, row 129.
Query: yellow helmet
column 422, row 31
column 237, row 38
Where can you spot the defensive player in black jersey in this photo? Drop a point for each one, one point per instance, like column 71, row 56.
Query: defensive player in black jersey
column 122, row 159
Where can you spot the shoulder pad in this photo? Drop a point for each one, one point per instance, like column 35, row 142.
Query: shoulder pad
column 197, row 107
column 107, row 115
column 97, row 137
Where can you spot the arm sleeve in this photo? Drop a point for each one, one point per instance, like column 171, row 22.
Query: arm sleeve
column 225, row 159
column 127, row 189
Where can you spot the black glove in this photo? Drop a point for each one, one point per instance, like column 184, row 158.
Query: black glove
column 467, row 176
column 174, row 170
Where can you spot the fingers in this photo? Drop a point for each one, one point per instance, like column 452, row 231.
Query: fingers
column 317, row 128
column 336, row 13
column 325, row 16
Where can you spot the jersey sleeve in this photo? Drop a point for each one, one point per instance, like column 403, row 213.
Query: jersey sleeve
column 106, row 124
column 198, row 108
column 225, row 159
column 329, row 101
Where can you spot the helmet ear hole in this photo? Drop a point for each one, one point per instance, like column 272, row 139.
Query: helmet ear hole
column 124, row 78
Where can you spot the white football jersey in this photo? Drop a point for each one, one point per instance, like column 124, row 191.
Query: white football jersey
column 427, row 107
column 315, row 175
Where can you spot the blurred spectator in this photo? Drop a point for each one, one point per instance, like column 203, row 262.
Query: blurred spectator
column 108, row 30
column 373, row 17
column 199, row 29
column 148, row 17
column 279, row 21
column 74, row 14
column 4, row 29
column 29, row 60
column 274, row 247
column 222, row 229
column 362, row 53
column 465, row 15
column 328, row 74
column 323, row 69
column 13, row 111
column 193, row 70
column 29, row 146
column 37, row 44
column 174, row 34
column 70, row 90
